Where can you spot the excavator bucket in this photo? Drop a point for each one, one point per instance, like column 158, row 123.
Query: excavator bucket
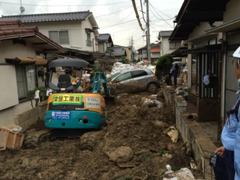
column 109, row 101
column 100, row 80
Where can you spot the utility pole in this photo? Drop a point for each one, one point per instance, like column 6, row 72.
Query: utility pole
column 131, row 45
column 148, row 33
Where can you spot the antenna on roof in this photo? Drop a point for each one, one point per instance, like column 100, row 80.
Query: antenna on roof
column 22, row 9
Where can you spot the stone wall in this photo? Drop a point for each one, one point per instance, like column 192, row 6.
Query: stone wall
column 169, row 94
column 192, row 132
column 33, row 118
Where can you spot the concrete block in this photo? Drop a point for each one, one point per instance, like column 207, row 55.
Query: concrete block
column 21, row 117
column 33, row 112
column 180, row 101
column 43, row 103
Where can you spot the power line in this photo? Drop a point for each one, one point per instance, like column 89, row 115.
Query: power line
column 137, row 16
column 123, row 30
column 142, row 11
column 127, row 38
column 160, row 16
column 163, row 13
column 113, row 12
column 65, row 5
column 119, row 23
column 125, row 17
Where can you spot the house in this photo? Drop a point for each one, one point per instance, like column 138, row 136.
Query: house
column 22, row 53
column 129, row 52
column 155, row 52
column 104, row 42
column 142, row 53
column 118, row 52
column 204, row 53
column 75, row 31
column 167, row 47
column 207, row 53
column 230, row 39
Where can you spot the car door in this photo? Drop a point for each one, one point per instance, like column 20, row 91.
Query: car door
column 139, row 78
column 123, row 82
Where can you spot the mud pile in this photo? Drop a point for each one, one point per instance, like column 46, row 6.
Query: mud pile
column 130, row 125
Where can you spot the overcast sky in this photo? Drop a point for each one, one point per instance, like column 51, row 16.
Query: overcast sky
column 110, row 15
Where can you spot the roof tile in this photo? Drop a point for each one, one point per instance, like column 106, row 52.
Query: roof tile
column 48, row 17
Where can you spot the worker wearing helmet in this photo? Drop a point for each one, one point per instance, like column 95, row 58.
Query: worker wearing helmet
column 228, row 160
column 237, row 138
column 69, row 71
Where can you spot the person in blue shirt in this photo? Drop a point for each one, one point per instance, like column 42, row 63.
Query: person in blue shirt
column 228, row 160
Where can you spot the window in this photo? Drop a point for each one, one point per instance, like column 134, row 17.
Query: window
column 89, row 42
column 174, row 45
column 60, row 37
column 124, row 76
column 139, row 73
column 25, row 80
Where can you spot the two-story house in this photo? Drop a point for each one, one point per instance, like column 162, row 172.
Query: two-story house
column 75, row 31
column 155, row 52
column 142, row 53
column 166, row 46
column 22, row 50
column 104, row 42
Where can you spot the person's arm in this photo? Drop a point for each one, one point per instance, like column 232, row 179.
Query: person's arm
column 236, row 68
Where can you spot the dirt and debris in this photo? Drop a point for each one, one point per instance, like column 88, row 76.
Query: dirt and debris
column 133, row 146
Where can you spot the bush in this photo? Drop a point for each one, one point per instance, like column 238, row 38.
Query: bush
column 109, row 68
column 163, row 67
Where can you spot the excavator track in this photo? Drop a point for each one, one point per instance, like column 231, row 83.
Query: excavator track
column 88, row 141
column 34, row 138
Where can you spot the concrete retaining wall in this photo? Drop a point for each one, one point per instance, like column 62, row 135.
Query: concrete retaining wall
column 33, row 118
column 192, row 132
column 169, row 95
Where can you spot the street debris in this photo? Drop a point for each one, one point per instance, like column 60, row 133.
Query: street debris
column 173, row 133
column 12, row 128
column 160, row 124
column 119, row 67
column 182, row 174
column 120, row 154
column 151, row 103
column 131, row 146
column 10, row 139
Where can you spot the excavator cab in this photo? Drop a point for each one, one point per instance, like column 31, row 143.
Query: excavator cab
column 69, row 109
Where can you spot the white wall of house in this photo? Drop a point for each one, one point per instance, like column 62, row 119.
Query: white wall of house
column 232, row 11
column 10, row 50
column 86, row 24
column 155, row 55
column 10, row 106
column 166, row 47
column 200, row 30
column 102, row 46
column 76, row 31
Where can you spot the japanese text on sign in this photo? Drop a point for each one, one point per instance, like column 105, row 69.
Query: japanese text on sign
column 93, row 103
column 67, row 99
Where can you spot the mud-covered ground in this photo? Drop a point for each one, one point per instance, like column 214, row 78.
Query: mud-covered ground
column 129, row 124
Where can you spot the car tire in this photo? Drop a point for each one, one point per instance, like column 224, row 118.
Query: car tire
column 152, row 88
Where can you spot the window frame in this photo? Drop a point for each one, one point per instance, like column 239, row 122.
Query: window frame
column 25, row 81
column 88, row 41
column 142, row 71
column 58, row 36
column 117, row 79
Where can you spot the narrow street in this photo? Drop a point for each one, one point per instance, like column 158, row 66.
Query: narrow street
column 130, row 124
